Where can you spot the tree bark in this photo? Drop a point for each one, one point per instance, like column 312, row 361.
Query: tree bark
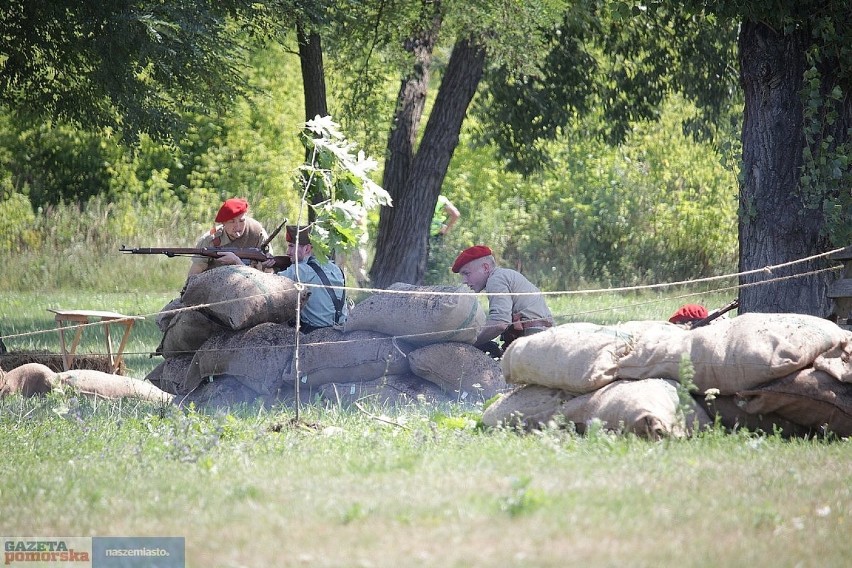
column 403, row 236
column 774, row 226
column 313, row 86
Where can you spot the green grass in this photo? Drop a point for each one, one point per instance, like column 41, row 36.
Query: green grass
column 342, row 489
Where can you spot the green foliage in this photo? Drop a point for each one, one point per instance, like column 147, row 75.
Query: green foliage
column 336, row 185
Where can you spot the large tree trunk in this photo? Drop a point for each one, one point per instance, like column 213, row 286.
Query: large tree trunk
column 772, row 227
column 402, row 240
column 313, row 85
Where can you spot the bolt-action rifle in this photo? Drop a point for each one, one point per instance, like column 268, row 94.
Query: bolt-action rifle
column 257, row 254
column 715, row 314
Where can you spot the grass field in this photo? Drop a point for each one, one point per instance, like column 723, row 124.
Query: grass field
column 416, row 486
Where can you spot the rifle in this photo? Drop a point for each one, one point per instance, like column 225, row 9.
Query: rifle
column 249, row 253
column 715, row 314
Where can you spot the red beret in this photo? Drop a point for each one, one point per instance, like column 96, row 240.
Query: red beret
column 231, row 209
column 688, row 313
column 469, row 254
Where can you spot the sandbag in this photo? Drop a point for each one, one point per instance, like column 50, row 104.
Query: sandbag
column 435, row 314
column 259, row 356
column 107, row 385
column 577, row 357
column 173, row 376
column 729, row 410
column 656, row 349
column 27, row 380
column 649, row 408
column 240, row 297
column 393, row 390
column 169, row 311
column 527, row 406
column 224, row 392
column 336, row 357
column 808, row 397
column 186, row 332
column 751, row 349
column 462, row 370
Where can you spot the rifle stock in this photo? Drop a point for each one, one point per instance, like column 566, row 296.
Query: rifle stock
column 249, row 253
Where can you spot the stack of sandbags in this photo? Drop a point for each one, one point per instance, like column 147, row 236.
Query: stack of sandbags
column 789, row 371
column 221, row 302
column 34, row 378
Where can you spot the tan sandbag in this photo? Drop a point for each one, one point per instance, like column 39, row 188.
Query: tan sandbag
column 169, row 311
column 751, row 349
column 392, row 390
column 260, row 355
column 460, row 369
column 649, row 408
column 28, row 380
column 730, row 411
column 106, row 385
column 240, row 297
column 186, row 332
column 435, row 314
column 656, row 349
column 577, row 357
column 336, row 357
column 808, row 397
column 527, row 406
column 838, row 361
column 173, row 376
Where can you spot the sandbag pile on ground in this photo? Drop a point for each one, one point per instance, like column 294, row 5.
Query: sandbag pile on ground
column 791, row 371
column 34, row 379
column 219, row 366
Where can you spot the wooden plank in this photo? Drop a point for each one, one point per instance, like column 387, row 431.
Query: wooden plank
column 840, row 289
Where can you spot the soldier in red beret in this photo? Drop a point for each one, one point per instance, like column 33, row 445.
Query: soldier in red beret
column 516, row 307
column 233, row 229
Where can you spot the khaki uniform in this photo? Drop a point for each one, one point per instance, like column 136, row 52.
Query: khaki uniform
column 253, row 236
column 531, row 310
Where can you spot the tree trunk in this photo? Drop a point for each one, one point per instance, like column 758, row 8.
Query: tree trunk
column 774, row 226
column 313, row 86
column 403, row 236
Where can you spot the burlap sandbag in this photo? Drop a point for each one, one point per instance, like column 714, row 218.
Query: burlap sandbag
column 434, row 314
column 460, row 369
column 186, row 332
column 173, row 376
column 240, row 297
column 649, row 408
column 223, row 392
column 808, row 397
column 27, row 380
column 527, row 406
column 731, row 414
column 260, row 356
column 751, row 349
column 107, row 385
column 837, row 362
column 656, row 349
column 169, row 311
column 337, row 357
column 391, row 390
column 577, row 357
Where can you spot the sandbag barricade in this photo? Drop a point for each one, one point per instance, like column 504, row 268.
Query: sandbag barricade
column 173, row 375
column 393, row 390
column 425, row 315
column 528, row 407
